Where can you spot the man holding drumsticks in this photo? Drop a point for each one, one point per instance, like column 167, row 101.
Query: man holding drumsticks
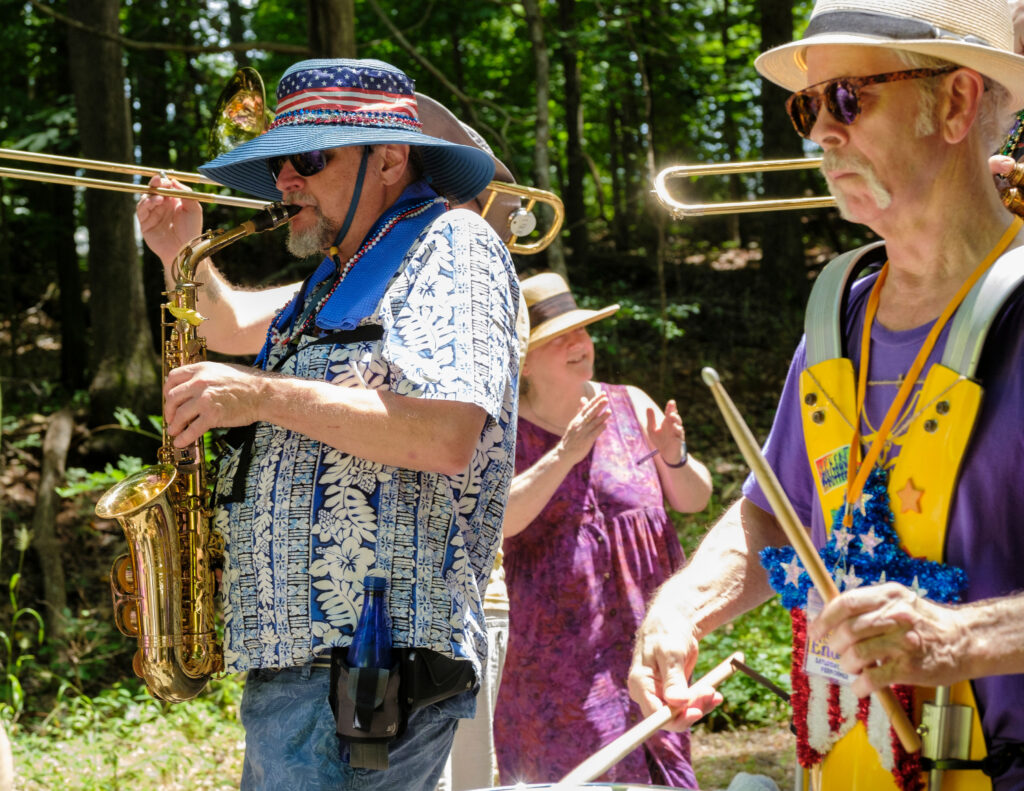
column 898, row 437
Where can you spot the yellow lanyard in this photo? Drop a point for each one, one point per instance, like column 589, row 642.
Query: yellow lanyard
column 858, row 472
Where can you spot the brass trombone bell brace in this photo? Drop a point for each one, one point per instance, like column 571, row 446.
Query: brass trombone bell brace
column 532, row 196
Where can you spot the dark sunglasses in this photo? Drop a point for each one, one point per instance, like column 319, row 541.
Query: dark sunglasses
column 841, row 96
column 306, row 164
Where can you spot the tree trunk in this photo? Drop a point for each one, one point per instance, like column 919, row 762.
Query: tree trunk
column 730, row 133
column 236, row 32
column 125, row 368
column 655, row 211
column 44, row 520
column 576, row 165
column 73, row 349
column 154, row 141
column 542, row 140
column 783, row 272
column 620, row 186
column 332, row 28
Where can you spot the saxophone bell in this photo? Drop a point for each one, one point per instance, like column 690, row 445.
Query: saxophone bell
column 152, row 597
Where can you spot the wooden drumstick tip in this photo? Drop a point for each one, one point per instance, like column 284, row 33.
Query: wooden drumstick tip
column 710, row 376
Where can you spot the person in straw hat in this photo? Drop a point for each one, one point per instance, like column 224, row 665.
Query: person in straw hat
column 898, row 436
column 385, row 383
column 587, row 540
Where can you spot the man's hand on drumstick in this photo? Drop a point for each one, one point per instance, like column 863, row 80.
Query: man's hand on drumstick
column 664, row 657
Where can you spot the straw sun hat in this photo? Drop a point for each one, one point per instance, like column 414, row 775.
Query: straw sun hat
column 324, row 104
column 553, row 310
column 977, row 34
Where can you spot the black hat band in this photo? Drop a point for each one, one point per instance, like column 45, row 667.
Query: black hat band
column 551, row 307
column 897, row 28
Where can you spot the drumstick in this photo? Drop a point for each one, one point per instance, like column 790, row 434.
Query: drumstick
column 798, row 537
column 609, row 755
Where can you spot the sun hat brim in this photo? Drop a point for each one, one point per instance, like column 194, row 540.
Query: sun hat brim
column 786, row 65
column 566, row 322
column 457, row 171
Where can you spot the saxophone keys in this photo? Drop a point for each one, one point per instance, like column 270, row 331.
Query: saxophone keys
column 192, row 316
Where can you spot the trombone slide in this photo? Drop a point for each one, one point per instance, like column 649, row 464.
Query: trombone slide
column 126, row 186
column 681, row 210
column 531, row 195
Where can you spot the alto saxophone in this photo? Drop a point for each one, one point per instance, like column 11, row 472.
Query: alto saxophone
column 163, row 589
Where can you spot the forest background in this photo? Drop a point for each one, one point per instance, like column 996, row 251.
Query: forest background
column 586, row 98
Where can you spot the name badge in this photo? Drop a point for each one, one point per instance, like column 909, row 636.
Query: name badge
column 819, row 658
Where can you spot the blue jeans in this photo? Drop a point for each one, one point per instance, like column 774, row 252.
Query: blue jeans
column 291, row 743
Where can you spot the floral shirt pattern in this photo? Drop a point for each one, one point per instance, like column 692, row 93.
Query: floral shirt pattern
column 314, row 520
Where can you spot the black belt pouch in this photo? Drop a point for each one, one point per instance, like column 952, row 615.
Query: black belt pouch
column 372, row 706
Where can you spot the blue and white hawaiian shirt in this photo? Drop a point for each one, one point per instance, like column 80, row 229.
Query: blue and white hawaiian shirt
column 314, row 520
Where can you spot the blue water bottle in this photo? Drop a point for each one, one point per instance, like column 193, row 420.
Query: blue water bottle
column 369, row 661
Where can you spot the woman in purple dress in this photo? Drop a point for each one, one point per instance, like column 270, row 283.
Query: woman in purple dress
column 587, row 542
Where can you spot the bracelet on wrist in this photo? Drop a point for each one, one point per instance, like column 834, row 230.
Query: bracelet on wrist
column 683, row 458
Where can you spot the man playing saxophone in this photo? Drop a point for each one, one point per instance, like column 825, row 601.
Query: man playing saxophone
column 375, row 430
column 898, row 437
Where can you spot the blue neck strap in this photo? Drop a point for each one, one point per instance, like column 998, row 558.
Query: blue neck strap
column 361, row 291
column 357, row 192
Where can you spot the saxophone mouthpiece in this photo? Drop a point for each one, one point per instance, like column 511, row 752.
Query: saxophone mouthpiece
column 274, row 216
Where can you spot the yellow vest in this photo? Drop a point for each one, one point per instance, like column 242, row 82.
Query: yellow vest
column 929, row 461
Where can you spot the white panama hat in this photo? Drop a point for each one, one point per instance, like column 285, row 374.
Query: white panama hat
column 977, row 34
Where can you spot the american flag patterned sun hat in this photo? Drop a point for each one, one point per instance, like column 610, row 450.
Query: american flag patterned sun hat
column 335, row 103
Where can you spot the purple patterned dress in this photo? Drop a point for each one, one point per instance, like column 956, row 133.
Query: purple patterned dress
column 579, row 578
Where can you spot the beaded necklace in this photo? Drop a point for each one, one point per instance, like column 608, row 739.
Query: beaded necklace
column 326, row 289
column 1012, row 143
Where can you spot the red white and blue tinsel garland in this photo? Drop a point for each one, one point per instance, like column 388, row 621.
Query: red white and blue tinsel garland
column 867, row 553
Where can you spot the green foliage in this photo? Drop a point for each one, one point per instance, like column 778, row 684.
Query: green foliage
column 81, row 481
column 763, row 635
column 89, row 656
column 32, row 439
column 630, row 310
column 122, row 738
column 127, row 420
column 19, row 636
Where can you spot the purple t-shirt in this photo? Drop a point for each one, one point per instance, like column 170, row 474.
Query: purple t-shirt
column 985, row 536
